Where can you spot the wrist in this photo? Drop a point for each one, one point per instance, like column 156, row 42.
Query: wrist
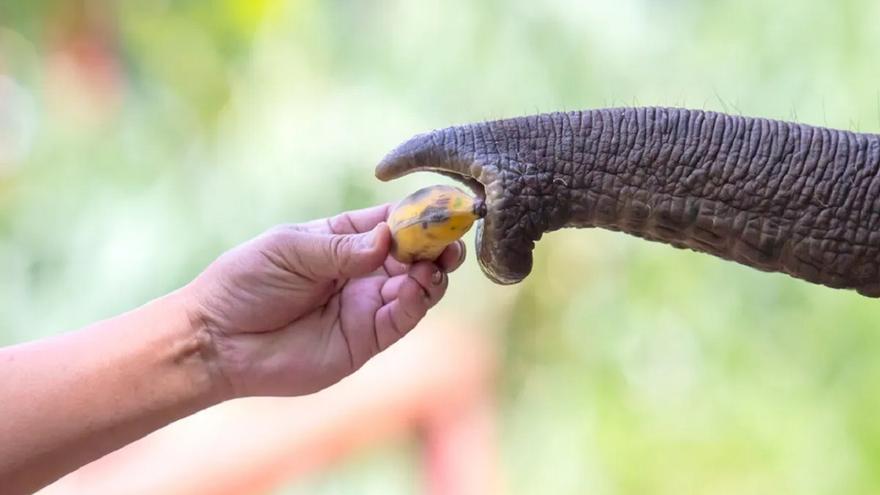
column 198, row 347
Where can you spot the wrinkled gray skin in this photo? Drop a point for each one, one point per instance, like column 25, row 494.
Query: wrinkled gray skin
column 772, row 195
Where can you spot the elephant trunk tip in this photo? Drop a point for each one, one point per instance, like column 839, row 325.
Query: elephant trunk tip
column 391, row 167
column 424, row 152
column 415, row 154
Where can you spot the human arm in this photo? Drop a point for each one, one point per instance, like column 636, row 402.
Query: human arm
column 288, row 313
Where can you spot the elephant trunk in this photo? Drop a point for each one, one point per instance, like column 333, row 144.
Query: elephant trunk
column 772, row 195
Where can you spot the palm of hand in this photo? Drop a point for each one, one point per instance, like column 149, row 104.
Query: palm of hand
column 301, row 307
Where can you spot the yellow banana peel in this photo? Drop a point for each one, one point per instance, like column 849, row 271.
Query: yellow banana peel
column 425, row 222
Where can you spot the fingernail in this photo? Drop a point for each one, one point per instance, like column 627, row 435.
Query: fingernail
column 437, row 277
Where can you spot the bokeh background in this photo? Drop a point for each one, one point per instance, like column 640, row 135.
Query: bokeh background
column 138, row 140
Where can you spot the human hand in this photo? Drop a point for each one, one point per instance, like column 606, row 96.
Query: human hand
column 302, row 306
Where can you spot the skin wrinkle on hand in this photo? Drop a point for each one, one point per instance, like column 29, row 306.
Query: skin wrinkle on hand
column 772, row 195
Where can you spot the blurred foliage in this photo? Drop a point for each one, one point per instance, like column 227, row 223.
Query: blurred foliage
column 138, row 140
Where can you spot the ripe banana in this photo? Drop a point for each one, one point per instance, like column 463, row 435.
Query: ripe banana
column 428, row 220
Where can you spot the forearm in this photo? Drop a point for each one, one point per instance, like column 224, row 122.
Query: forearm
column 71, row 399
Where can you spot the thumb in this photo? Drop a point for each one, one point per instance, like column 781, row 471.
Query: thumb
column 330, row 256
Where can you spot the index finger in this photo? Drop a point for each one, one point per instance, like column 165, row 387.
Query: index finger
column 349, row 222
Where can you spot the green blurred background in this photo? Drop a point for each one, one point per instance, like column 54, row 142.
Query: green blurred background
column 138, row 140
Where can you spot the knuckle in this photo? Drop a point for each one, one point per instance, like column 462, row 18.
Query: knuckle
column 279, row 235
column 340, row 249
column 341, row 223
column 283, row 229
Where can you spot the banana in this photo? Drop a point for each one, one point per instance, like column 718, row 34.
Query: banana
column 428, row 220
